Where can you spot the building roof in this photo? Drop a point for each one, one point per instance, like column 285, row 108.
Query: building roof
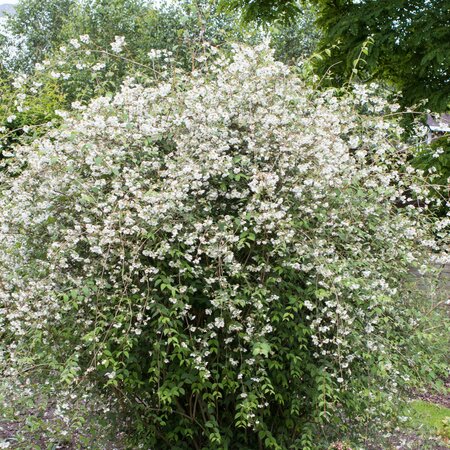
column 440, row 123
column 7, row 9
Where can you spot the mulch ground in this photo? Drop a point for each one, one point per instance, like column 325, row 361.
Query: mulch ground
column 399, row 440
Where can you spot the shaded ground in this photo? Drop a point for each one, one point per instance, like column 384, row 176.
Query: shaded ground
column 408, row 440
column 442, row 399
column 22, row 435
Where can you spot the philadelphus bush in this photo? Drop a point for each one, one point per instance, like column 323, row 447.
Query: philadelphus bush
column 224, row 252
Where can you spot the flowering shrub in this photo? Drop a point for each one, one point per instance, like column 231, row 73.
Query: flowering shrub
column 223, row 252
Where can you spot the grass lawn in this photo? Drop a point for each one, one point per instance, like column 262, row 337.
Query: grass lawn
column 432, row 418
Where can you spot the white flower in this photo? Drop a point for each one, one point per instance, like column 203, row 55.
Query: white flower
column 154, row 53
column 78, row 105
column 19, row 81
column 118, row 44
column 75, row 43
column 309, row 305
column 99, row 66
column 97, row 249
column 354, row 142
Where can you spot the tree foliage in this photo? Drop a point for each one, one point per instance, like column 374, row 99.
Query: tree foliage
column 411, row 41
column 411, row 44
column 40, row 24
column 264, row 11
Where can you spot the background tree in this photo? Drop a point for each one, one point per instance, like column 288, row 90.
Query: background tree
column 39, row 24
column 297, row 39
column 264, row 11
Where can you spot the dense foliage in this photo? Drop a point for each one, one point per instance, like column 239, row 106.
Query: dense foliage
column 223, row 253
column 264, row 11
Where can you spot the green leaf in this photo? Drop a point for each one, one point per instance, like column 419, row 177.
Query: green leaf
column 261, row 348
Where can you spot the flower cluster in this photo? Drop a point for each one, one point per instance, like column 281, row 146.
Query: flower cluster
column 118, row 44
column 229, row 250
